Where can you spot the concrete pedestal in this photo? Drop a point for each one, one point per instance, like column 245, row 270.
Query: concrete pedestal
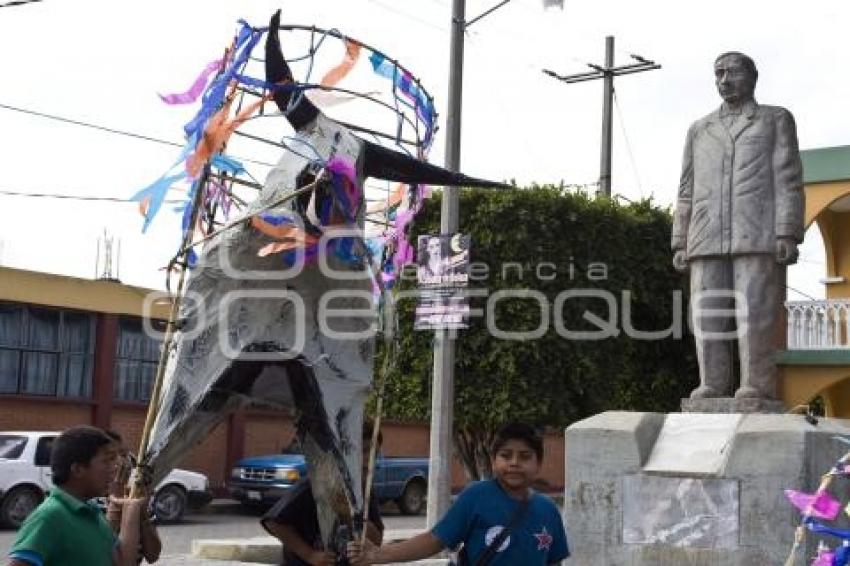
column 691, row 488
column 732, row 405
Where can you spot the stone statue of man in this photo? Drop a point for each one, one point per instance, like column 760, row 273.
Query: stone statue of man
column 739, row 219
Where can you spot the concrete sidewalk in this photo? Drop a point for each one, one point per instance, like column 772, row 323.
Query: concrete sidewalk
column 185, row 560
column 263, row 550
column 192, row 561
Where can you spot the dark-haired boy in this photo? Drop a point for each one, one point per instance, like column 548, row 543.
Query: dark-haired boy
column 294, row 520
column 65, row 529
column 150, row 543
column 485, row 508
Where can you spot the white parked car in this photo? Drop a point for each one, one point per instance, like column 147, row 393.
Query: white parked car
column 25, row 478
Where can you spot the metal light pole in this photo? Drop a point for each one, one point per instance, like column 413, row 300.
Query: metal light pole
column 442, row 391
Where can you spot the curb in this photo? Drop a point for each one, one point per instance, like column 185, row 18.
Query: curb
column 263, row 550
column 269, row 550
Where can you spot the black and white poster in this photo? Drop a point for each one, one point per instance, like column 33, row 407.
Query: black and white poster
column 442, row 274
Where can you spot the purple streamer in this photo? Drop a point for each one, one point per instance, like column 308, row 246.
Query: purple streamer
column 197, row 87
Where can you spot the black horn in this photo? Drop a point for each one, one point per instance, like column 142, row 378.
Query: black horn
column 302, row 112
column 383, row 163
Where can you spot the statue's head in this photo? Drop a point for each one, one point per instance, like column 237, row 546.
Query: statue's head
column 735, row 75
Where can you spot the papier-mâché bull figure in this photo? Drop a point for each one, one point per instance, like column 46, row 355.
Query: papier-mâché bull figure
column 251, row 328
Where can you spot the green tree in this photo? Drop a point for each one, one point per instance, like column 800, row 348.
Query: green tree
column 562, row 241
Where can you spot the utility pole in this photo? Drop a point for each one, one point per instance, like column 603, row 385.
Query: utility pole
column 607, row 120
column 607, row 73
column 442, row 389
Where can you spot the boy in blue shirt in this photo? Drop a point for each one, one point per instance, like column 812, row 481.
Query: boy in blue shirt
column 485, row 508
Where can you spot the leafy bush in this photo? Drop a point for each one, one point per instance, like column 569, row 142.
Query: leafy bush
column 551, row 381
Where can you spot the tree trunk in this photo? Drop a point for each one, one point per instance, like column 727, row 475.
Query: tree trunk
column 473, row 448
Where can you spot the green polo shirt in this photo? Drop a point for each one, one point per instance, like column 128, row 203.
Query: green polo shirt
column 64, row 531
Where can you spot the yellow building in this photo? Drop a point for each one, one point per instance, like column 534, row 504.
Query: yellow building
column 816, row 362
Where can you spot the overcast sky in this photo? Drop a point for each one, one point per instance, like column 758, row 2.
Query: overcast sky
column 103, row 62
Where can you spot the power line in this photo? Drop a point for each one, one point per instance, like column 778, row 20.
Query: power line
column 790, row 288
column 88, row 125
column 409, row 16
column 76, row 197
column 110, row 130
column 628, row 143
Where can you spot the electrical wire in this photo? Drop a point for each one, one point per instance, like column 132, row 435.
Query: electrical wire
column 409, row 16
column 790, row 288
column 628, row 143
column 110, row 130
column 76, row 197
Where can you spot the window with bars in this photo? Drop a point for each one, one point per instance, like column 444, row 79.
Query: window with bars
column 46, row 351
column 136, row 360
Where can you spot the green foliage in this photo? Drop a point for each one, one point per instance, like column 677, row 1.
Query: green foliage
column 553, row 381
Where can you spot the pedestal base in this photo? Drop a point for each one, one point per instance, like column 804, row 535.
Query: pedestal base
column 731, row 405
column 648, row 489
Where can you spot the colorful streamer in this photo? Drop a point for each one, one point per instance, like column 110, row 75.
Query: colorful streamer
column 352, row 53
column 815, row 527
column 824, row 558
column 197, row 87
column 151, row 197
column 341, row 199
column 821, row 505
column 217, row 134
column 227, row 164
column 403, row 81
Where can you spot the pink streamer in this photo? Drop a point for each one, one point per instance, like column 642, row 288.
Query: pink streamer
column 404, row 251
column 403, row 255
column 197, row 87
column 820, row 505
column 824, row 559
column 342, row 166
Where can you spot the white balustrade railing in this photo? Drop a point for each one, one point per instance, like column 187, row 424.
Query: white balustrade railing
column 818, row 325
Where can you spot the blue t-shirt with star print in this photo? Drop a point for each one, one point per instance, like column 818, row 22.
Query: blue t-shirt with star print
column 483, row 509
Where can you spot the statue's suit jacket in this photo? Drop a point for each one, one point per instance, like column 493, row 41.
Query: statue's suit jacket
column 741, row 188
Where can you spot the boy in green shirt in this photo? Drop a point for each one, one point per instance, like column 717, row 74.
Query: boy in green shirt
column 67, row 531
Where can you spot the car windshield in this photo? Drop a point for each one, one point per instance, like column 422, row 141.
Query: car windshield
column 12, row 446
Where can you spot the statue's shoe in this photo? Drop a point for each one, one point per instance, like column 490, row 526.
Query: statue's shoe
column 705, row 392
column 748, row 393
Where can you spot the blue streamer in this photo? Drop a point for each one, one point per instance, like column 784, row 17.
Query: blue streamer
column 423, row 106
column 214, row 96
column 842, row 555
column 156, row 191
column 815, row 527
column 227, row 164
column 276, row 220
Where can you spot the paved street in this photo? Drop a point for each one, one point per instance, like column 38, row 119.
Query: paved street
column 177, row 539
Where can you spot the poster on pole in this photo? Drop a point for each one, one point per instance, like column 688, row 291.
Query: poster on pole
column 442, row 275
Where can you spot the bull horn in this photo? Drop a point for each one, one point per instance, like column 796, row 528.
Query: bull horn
column 383, row 163
column 277, row 70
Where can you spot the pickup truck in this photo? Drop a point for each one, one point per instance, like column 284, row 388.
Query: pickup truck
column 25, row 478
column 261, row 480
